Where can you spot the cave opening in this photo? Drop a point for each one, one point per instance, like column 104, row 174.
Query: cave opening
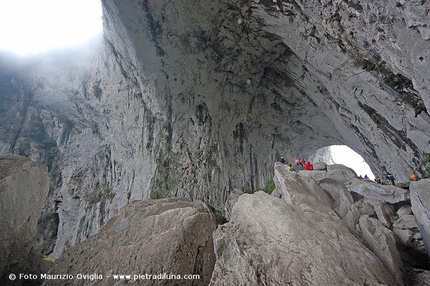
column 342, row 154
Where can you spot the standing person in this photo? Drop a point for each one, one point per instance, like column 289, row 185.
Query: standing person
column 303, row 162
column 391, row 178
column 377, row 179
column 309, row 166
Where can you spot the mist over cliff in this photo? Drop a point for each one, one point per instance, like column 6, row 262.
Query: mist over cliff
column 194, row 98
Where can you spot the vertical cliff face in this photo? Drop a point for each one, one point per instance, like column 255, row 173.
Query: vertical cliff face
column 193, row 98
column 23, row 186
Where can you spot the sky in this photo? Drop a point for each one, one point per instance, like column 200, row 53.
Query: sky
column 344, row 155
column 38, row 26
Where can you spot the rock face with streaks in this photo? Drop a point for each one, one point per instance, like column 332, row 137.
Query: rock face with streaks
column 420, row 199
column 195, row 98
column 23, row 188
column 381, row 241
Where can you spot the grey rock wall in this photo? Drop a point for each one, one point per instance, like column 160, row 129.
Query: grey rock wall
column 23, row 188
column 420, row 201
column 195, row 98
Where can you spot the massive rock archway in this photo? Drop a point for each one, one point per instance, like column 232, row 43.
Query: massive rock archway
column 252, row 79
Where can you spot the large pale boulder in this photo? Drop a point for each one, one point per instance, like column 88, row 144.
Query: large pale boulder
column 378, row 193
column 169, row 236
column 297, row 240
column 23, row 189
column 296, row 188
column 340, row 173
column 420, row 200
column 381, row 241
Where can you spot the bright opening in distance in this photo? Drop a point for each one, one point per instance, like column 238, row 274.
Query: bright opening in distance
column 342, row 154
column 37, row 26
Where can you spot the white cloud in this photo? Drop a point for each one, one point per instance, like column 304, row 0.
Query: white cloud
column 35, row 26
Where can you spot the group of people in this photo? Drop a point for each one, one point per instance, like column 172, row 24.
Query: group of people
column 378, row 180
column 308, row 166
column 388, row 176
column 391, row 178
column 302, row 163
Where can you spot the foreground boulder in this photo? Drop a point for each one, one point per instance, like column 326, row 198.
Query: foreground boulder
column 157, row 237
column 23, row 189
column 297, row 240
column 340, row 173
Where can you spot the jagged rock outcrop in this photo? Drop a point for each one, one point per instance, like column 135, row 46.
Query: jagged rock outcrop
column 406, row 230
column 381, row 241
column 420, row 200
column 156, row 237
column 295, row 240
column 23, row 188
column 168, row 107
column 379, row 193
column 385, row 213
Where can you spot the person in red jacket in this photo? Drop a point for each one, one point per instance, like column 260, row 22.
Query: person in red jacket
column 309, row 166
column 303, row 162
